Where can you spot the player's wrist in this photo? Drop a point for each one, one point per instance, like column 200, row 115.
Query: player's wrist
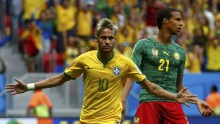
column 198, row 101
column 31, row 86
column 175, row 97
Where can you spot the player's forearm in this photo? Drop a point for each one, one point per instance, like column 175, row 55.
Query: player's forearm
column 51, row 82
column 127, row 88
column 158, row 91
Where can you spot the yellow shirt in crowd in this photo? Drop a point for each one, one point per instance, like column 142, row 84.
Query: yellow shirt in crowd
column 33, row 8
column 65, row 18
column 84, row 23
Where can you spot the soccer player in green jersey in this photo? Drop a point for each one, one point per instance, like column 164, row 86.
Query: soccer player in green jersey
column 162, row 61
column 104, row 74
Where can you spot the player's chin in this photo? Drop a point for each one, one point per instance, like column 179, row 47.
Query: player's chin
column 106, row 50
column 177, row 32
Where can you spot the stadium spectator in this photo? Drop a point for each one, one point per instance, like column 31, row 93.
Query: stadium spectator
column 15, row 7
column 46, row 24
column 124, row 36
column 104, row 73
column 32, row 45
column 136, row 15
column 195, row 58
column 162, row 60
column 213, row 48
column 84, row 21
column 213, row 99
column 40, row 104
column 118, row 16
column 33, row 8
column 152, row 9
column 72, row 50
column 66, row 22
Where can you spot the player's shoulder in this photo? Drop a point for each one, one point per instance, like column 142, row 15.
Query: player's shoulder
column 92, row 52
column 146, row 40
column 88, row 54
column 178, row 46
column 120, row 56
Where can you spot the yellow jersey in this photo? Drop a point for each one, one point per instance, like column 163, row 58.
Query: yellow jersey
column 103, row 85
column 36, row 34
column 65, row 18
column 84, row 23
column 213, row 63
column 33, row 8
column 195, row 63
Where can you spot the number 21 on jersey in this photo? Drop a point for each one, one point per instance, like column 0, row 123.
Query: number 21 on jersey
column 164, row 65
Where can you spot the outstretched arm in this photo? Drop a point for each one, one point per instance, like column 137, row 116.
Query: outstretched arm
column 181, row 97
column 203, row 107
column 21, row 87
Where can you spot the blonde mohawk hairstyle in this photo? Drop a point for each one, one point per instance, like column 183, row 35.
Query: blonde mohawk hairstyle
column 106, row 23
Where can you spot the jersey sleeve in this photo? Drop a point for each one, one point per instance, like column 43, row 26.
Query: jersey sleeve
column 75, row 69
column 182, row 64
column 134, row 72
column 137, row 55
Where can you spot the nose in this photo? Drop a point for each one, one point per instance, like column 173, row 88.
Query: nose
column 107, row 40
column 181, row 23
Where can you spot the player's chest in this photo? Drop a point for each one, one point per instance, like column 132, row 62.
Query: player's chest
column 162, row 56
column 113, row 70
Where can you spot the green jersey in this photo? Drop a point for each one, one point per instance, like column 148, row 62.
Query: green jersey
column 160, row 63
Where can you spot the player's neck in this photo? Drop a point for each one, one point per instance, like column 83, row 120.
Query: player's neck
column 163, row 37
column 105, row 57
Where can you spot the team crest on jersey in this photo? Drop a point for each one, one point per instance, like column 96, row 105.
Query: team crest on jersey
column 136, row 120
column 116, row 70
column 176, row 55
column 155, row 52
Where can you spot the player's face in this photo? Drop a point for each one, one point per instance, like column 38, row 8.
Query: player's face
column 106, row 40
column 175, row 23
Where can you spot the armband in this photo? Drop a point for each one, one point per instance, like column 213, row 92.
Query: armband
column 30, row 86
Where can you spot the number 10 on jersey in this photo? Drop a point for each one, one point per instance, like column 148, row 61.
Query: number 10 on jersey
column 103, row 84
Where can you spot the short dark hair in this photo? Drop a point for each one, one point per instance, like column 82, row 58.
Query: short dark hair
column 214, row 88
column 164, row 13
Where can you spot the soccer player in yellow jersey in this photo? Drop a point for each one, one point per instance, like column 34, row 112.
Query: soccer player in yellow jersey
column 104, row 73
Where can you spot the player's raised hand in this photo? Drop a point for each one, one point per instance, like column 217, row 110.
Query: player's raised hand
column 17, row 88
column 183, row 98
column 204, row 108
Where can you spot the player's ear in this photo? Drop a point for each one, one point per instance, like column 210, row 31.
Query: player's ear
column 116, row 39
column 96, row 38
column 165, row 20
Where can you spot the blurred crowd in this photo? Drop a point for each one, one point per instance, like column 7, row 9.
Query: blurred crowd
column 50, row 33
